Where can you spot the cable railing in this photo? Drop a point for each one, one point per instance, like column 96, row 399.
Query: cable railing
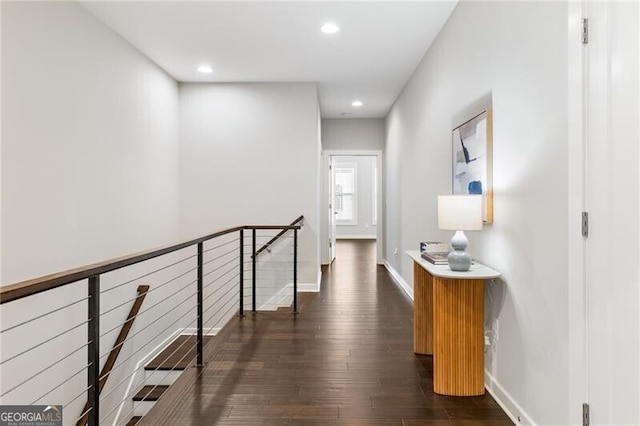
column 55, row 329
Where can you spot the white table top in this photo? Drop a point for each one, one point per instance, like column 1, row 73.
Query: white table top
column 477, row 270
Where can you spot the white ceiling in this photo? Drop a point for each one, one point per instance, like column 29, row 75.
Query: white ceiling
column 372, row 57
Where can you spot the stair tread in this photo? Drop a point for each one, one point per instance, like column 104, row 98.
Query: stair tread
column 178, row 355
column 134, row 421
column 150, row 393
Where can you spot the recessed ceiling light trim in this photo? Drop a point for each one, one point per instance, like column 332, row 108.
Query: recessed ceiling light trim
column 205, row 69
column 330, row 28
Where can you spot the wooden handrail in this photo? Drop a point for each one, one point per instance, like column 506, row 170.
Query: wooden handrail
column 27, row 288
column 117, row 347
column 280, row 234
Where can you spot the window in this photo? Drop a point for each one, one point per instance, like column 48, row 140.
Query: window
column 345, row 180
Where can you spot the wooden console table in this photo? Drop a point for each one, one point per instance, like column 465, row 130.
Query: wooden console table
column 448, row 323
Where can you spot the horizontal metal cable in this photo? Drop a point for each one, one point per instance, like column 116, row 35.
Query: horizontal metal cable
column 220, row 257
column 223, row 295
column 149, row 308
column 152, row 374
column 155, row 288
column 43, row 370
column 161, row 331
column 83, row 369
column 149, row 273
column 46, row 341
column 220, row 267
column 142, row 366
column 227, row 311
column 149, row 325
column 222, row 275
column 43, row 315
column 221, row 245
column 221, row 286
column 81, row 393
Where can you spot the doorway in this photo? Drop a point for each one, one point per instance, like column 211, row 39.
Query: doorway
column 352, row 200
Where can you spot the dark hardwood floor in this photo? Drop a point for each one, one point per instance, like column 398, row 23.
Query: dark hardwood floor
column 346, row 359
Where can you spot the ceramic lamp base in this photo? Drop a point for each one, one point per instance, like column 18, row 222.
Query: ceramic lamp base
column 459, row 259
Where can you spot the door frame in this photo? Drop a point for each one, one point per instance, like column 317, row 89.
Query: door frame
column 326, row 177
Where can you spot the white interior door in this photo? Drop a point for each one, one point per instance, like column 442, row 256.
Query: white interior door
column 612, row 198
column 332, row 210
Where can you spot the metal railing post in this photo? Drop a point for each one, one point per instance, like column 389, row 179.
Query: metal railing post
column 242, row 272
column 93, row 352
column 199, row 360
column 295, row 271
column 253, row 275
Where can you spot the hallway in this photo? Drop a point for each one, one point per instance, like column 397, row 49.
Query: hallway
column 345, row 359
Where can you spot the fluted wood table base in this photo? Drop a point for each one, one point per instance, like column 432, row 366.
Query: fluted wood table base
column 458, row 312
column 422, row 311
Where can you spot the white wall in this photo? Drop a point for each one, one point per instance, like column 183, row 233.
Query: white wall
column 494, row 53
column 353, row 134
column 89, row 143
column 364, row 226
column 90, row 161
column 249, row 156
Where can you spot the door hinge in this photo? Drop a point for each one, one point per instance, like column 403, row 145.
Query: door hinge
column 585, row 414
column 585, row 30
column 330, row 245
column 585, row 224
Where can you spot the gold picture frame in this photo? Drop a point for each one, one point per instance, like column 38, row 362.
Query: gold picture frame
column 472, row 160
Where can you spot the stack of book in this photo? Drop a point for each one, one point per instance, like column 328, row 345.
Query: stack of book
column 435, row 252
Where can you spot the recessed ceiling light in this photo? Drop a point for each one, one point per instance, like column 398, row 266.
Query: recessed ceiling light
column 205, row 69
column 356, row 104
column 346, row 114
column 329, row 28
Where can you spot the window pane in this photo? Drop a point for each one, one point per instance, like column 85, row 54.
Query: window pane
column 346, row 204
column 345, row 178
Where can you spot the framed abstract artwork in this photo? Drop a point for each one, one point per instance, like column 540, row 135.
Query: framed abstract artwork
column 473, row 161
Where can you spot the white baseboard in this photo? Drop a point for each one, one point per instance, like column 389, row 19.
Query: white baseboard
column 192, row 331
column 282, row 298
column 399, row 280
column 506, row 402
column 356, row 237
column 311, row 287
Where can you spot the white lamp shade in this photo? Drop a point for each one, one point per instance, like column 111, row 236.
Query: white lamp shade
column 460, row 212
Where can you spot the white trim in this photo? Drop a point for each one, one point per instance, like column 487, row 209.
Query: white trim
column 506, row 402
column 282, row 298
column 399, row 280
column 324, row 237
column 356, row 237
column 311, row 287
column 192, row 331
column 308, row 288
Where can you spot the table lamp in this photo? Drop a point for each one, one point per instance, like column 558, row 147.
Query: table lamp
column 459, row 213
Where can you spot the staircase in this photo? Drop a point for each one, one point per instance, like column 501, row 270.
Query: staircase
column 162, row 371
